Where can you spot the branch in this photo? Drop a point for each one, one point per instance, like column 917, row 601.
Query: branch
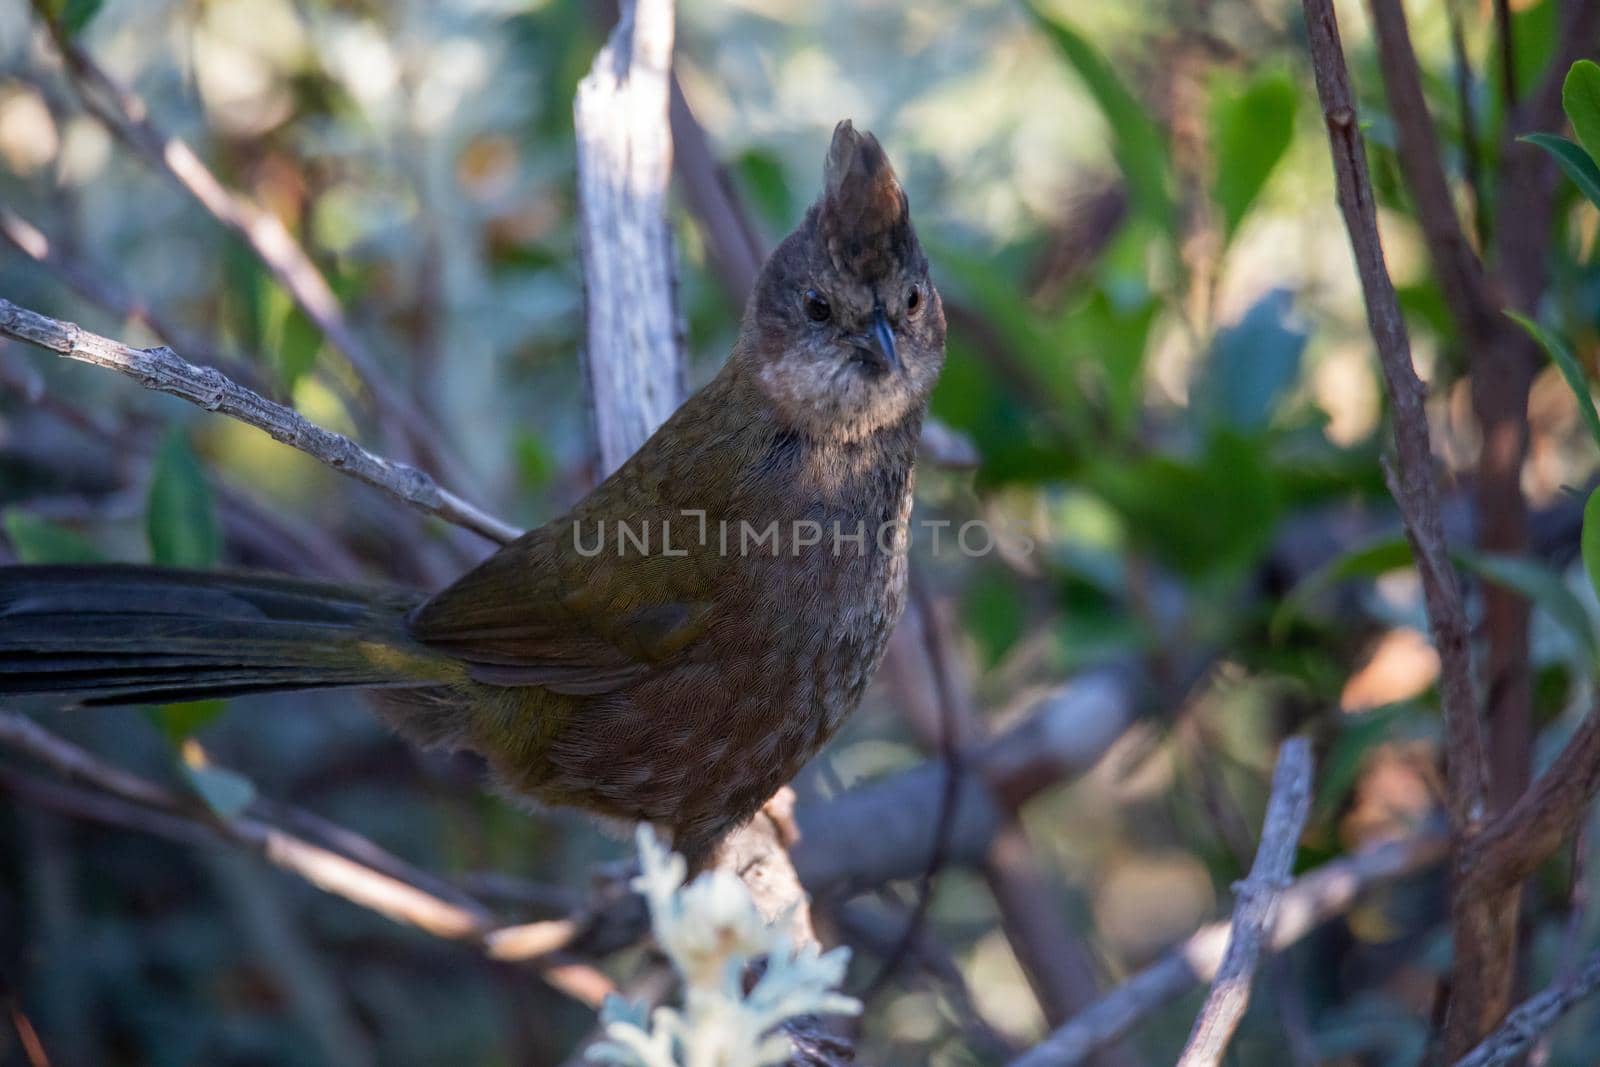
column 1310, row 901
column 1532, row 1018
column 1484, row 927
column 165, row 371
column 1287, row 808
column 126, row 115
column 1414, row 489
column 1513, row 846
column 1460, row 274
column 633, row 355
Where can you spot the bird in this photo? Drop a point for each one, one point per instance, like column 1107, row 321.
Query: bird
column 674, row 648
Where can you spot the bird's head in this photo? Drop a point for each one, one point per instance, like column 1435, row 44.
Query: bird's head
column 845, row 331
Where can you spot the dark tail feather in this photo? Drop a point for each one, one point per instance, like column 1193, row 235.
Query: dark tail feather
column 126, row 634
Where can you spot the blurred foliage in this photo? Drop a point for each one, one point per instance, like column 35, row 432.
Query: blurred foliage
column 1157, row 347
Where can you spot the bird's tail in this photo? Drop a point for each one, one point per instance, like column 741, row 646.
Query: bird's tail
column 114, row 634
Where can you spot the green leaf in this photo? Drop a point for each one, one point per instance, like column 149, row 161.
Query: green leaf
column 37, row 540
column 180, row 516
column 1138, row 144
column 179, row 721
column 1357, row 736
column 1574, row 160
column 1543, row 588
column 75, row 15
column 1591, row 539
column 1580, row 98
column 227, row 793
column 1577, row 381
column 1252, row 364
column 1369, row 561
column 1251, row 130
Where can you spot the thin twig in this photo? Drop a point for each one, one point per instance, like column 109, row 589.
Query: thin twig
column 1414, row 488
column 1312, row 900
column 1483, row 927
column 165, row 371
column 1532, row 1018
column 1257, row 897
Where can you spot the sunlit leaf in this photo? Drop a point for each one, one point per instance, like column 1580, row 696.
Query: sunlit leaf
column 1572, row 159
column 1577, row 381
column 180, row 517
column 179, row 721
column 1591, row 539
column 1250, row 131
column 1140, row 149
column 37, row 540
column 1580, row 98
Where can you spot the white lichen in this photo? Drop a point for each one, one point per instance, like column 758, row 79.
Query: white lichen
column 711, row 932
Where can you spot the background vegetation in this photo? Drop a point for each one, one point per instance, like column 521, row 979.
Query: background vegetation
column 1158, row 352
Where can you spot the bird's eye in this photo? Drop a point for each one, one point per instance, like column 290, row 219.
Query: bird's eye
column 816, row 305
column 914, row 300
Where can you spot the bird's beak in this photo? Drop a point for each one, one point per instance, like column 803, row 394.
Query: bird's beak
column 882, row 338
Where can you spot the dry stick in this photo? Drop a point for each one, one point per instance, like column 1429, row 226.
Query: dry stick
column 1312, row 900
column 165, row 371
column 126, row 115
column 1287, row 808
column 634, row 359
column 1532, row 1018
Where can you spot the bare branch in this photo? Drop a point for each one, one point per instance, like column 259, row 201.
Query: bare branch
column 633, row 352
column 1414, row 488
column 1310, row 901
column 1532, row 1018
column 1513, row 846
column 1287, row 809
column 165, row 371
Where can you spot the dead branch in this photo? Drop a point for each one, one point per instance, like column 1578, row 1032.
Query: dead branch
column 165, row 371
column 1257, row 899
column 633, row 352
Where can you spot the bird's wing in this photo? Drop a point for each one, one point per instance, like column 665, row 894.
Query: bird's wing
column 538, row 613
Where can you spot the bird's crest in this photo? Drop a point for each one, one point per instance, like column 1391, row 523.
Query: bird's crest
column 865, row 219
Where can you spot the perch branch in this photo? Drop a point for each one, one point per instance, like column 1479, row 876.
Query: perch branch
column 1287, row 809
column 1312, row 900
column 165, row 371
